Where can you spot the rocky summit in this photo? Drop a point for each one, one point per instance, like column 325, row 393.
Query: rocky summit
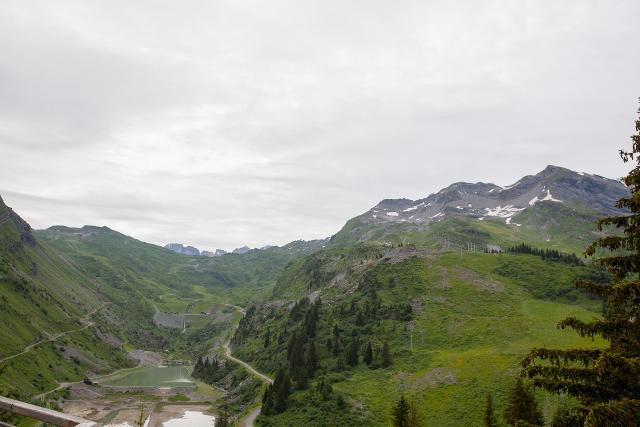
column 483, row 200
column 181, row 249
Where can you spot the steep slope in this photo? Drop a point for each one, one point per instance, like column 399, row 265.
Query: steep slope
column 48, row 309
column 554, row 206
column 456, row 327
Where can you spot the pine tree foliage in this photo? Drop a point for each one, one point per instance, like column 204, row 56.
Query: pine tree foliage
column 276, row 396
column 605, row 381
column 312, row 360
column 400, row 413
column 386, row 356
column 368, row 354
column 208, row 370
column 546, row 254
column 522, row 408
column 405, row 414
column 352, row 352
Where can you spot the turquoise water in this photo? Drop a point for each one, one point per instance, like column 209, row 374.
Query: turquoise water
column 154, row 376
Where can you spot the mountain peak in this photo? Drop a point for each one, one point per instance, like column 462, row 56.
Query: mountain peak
column 554, row 184
column 181, row 249
column 554, row 168
column 19, row 225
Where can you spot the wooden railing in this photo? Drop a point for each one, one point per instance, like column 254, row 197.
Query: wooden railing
column 42, row 414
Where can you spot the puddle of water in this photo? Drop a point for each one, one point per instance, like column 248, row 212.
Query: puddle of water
column 126, row 424
column 192, row 419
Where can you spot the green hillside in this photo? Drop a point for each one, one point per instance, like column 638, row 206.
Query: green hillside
column 240, row 278
column 75, row 299
column 473, row 317
column 545, row 225
column 48, row 315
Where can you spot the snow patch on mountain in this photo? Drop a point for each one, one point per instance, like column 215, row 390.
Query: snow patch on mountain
column 547, row 198
column 503, row 211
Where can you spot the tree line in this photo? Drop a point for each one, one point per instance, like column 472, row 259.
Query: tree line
column 546, row 254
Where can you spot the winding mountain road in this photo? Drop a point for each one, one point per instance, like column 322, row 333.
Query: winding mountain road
column 248, row 421
column 227, row 351
column 227, row 354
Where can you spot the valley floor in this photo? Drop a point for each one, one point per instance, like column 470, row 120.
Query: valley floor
column 122, row 408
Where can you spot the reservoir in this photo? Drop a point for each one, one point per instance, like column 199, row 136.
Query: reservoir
column 153, row 376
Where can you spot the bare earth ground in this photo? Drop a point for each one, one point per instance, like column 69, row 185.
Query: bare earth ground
column 116, row 408
column 146, row 357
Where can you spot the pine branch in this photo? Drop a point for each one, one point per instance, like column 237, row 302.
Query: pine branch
column 596, row 392
column 607, row 329
column 594, row 288
column 558, row 357
column 557, row 373
column 624, row 412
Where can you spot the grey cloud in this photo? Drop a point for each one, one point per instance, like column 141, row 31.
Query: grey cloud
column 228, row 123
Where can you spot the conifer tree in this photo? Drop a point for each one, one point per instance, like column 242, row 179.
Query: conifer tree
column 386, row 356
column 359, row 319
column 301, row 377
column 295, row 352
column 312, row 360
column 336, row 349
column 489, row 417
column 267, row 401
column 522, row 406
column 400, row 413
column 291, row 345
column 267, row 338
column 325, row 389
column 297, row 365
column 222, row 420
column 368, row 354
column 352, row 352
column 278, row 393
column 311, row 320
column 605, row 381
column 282, row 393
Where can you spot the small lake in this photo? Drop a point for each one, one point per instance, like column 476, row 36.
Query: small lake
column 153, row 376
column 192, row 419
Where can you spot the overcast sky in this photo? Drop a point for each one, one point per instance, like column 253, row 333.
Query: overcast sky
column 224, row 123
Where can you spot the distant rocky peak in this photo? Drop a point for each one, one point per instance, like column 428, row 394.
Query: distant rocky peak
column 481, row 200
column 212, row 254
column 242, row 250
column 181, row 249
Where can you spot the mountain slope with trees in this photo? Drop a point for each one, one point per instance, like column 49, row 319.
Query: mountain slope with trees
column 443, row 329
